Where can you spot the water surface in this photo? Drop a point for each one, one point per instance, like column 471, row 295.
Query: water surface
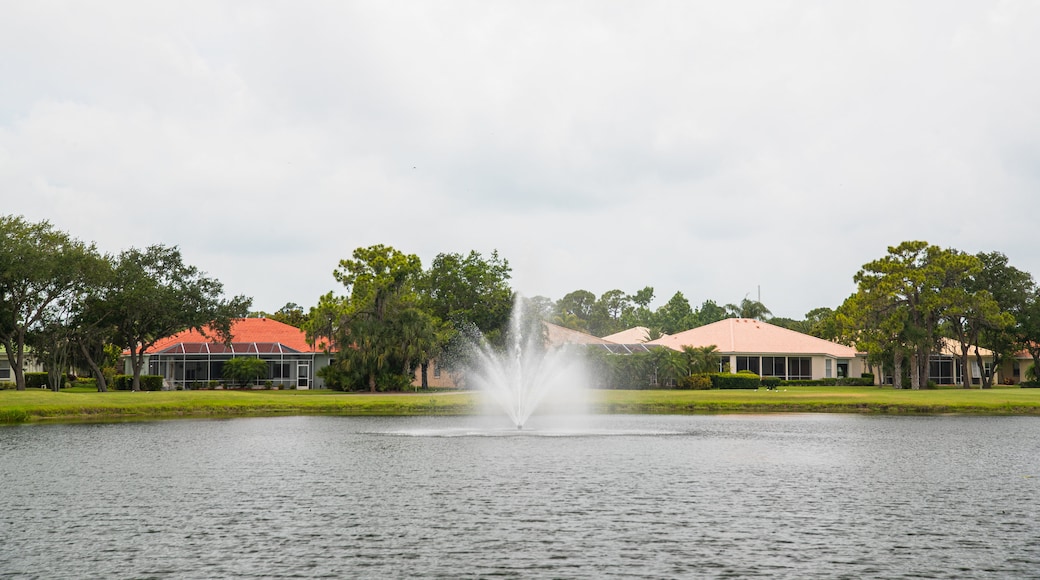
column 840, row 496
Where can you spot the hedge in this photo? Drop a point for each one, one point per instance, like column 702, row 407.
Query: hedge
column 36, row 381
column 741, row 380
column 148, row 382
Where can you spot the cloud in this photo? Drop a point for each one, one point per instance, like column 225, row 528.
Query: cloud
column 708, row 148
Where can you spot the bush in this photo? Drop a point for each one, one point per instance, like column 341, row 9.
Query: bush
column 868, row 376
column 148, row 382
column 771, row 382
column 36, row 381
column 741, row 380
column 151, row 382
column 7, row 386
column 85, row 382
column 698, row 382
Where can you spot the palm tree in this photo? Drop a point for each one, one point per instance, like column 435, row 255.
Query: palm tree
column 749, row 309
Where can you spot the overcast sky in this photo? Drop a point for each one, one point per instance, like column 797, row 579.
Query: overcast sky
column 713, row 148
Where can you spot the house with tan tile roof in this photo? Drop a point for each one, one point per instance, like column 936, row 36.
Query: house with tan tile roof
column 771, row 351
column 193, row 359
column 634, row 335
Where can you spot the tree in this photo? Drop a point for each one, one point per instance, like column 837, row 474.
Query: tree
column 1027, row 329
column 155, row 294
column 291, row 314
column 709, row 312
column 43, row 271
column 242, row 370
column 640, row 313
column 378, row 333
column 575, row 309
column 821, row 323
column 903, row 298
column 469, row 289
column 608, row 313
column 749, row 309
column 675, row 316
column 1011, row 288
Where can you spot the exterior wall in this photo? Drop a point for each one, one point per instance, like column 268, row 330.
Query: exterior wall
column 30, row 365
column 436, row 378
column 856, row 365
column 1012, row 370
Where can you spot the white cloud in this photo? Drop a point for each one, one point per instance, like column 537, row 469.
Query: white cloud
column 708, row 148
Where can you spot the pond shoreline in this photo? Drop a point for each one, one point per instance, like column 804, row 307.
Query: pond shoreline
column 47, row 406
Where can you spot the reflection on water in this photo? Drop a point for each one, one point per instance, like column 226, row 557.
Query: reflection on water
column 618, row 496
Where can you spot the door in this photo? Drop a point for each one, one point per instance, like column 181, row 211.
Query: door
column 303, row 376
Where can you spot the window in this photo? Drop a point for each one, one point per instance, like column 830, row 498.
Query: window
column 800, row 368
column 827, row 368
column 774, row 366
column 436, row 370
column 747, row 363
column 940, row 370
column 5, row 373
column 280, row 370
column 843, row 368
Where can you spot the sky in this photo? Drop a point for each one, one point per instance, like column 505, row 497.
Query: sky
column 719, row 149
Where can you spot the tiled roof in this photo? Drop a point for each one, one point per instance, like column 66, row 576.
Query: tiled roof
column 634, row 335
column 745, row 335
column 558, row 335
column 244, row 330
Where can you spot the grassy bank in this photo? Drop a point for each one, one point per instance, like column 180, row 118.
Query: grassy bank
column 37, row 405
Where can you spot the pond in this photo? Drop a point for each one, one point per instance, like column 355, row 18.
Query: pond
column 448, row 497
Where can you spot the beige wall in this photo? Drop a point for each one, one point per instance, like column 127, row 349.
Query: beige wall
column 445, row 381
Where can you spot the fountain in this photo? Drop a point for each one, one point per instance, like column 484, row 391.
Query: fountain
column 528, row 375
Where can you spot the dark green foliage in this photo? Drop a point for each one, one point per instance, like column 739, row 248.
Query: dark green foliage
column 35, row 380
column 698, row 382
column 148, row 382
column 771, row 382
column 741, row 380
column 151, row 382
column 869, row 376
column 613, row 371
column 244, row 370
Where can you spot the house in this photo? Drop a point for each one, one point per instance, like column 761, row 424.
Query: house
column 1015, row 370
column 191, row 359
column 29, row 365
column 634, row 335
column 945, row 367
column 771, row 351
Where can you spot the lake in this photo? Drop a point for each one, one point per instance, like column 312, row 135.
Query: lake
column 615, row 496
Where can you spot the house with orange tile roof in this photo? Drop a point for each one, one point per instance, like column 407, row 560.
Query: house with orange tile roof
column 193, row 359
column 771, row 351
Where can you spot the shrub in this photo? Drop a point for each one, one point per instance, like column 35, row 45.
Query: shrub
column 85, row 382
column 123, row 382
column 771, row 382
column 36, row 381
column 868, row 376
column 243, row 370
column 151, row 382
column 741, row 380
column 698, row 382
column 7, row 386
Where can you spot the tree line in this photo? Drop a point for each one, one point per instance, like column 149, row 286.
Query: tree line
column 919, row 295
column 73, row 306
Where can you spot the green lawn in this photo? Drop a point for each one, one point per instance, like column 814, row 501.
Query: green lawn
column 42, row 404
